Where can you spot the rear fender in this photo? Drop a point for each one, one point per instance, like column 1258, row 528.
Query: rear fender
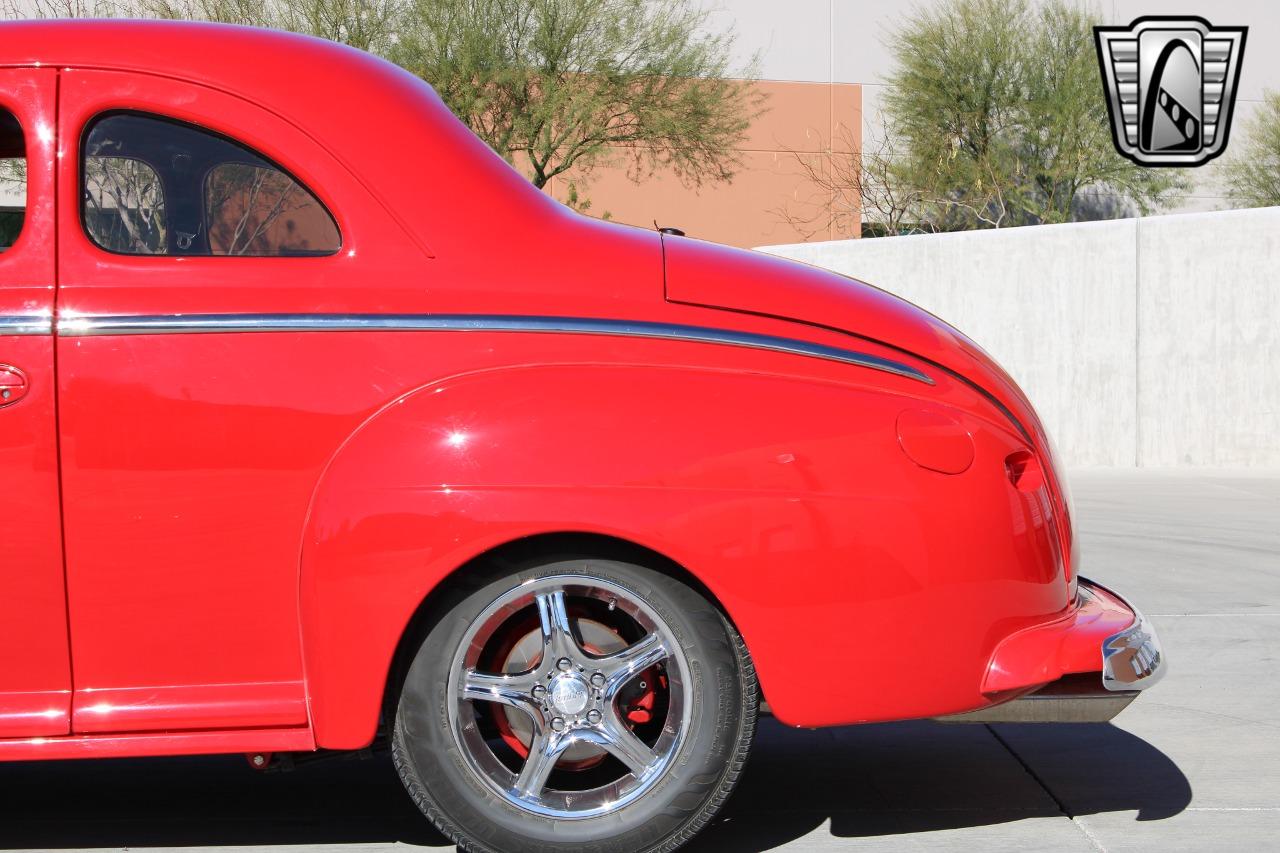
column 788, row 499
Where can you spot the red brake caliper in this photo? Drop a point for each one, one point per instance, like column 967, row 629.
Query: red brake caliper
column 636, row 703
column 638, row 708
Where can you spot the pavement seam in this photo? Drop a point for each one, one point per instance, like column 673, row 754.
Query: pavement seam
column 1089, row 836
column 1246, row 720
column 1062, row 807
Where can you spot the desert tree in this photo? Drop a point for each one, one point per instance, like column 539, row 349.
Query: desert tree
column 560, row 85
column 998, row 109
column 850, row 186
column 1251, row 175
column 366, row 24
column 13, row 10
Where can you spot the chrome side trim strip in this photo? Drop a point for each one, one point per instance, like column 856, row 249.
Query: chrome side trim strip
column 228, row 323
column 26, row 324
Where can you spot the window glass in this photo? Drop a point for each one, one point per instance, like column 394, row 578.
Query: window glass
column 258, row 210
column 157, row 186
column 13, row 179
column 124, row 206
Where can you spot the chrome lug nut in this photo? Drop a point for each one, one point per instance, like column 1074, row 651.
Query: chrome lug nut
column 593, row 716
column 597, row 679
column 557, row 724
column 538, row 691
column 564, row 664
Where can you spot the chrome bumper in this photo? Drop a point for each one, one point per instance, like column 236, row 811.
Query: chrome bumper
column 1132, row 661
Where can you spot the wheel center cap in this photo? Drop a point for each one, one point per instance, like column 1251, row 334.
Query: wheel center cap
column 569, row 694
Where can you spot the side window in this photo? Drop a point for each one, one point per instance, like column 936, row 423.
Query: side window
column 154, row 186
column 13, row 179
column 259, row 210
column 124, row 206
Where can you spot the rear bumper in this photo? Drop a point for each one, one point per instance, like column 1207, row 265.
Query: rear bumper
column 1132, row 659
column 1086, row 667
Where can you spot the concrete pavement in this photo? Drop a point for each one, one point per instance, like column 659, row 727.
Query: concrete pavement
column 1194, row 765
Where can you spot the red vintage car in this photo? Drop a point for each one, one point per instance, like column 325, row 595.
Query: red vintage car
column 323, row 428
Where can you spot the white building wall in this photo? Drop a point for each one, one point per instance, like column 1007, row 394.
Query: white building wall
column 1149, row 342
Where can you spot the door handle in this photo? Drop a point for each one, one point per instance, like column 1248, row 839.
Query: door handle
column 13, row 385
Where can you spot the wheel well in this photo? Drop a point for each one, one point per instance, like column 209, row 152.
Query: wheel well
column 507, row 558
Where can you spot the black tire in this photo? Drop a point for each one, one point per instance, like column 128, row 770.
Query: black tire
column 722, row 701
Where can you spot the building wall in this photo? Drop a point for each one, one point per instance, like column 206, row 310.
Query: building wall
column 807, row 125
column 804, row 46
column 813, row 92
column 1142, row 342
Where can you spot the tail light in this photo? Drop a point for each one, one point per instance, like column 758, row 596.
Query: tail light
column 1027, row 475
column 1024, row 471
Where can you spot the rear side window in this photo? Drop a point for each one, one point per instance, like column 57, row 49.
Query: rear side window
column 124, row 206
column 13, row 179
column 154, row 186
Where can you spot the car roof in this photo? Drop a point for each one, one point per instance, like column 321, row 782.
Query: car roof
column 368, row 111
column 216, row 53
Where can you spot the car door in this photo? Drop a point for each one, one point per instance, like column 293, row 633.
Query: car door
column 189, row 460
column 35, row 674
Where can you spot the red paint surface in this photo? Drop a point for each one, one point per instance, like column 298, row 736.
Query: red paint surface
column 1068, row 645
column 35, row 675
column 174, row 743
column 935, row 440
column 251, row 520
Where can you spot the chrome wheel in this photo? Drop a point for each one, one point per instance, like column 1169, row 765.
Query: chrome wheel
column 568, row 696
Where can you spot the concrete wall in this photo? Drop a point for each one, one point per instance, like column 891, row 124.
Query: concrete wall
column 1142, row 342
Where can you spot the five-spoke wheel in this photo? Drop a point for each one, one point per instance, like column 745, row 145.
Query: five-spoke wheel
column 572, row 692
column 571, row 695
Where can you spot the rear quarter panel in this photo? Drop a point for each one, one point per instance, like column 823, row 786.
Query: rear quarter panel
column 865, row 586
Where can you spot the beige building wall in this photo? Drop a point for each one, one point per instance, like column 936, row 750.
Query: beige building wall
column 806, row 47
column 772, row 198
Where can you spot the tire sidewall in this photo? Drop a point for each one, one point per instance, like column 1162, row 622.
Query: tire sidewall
column 430, row 750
